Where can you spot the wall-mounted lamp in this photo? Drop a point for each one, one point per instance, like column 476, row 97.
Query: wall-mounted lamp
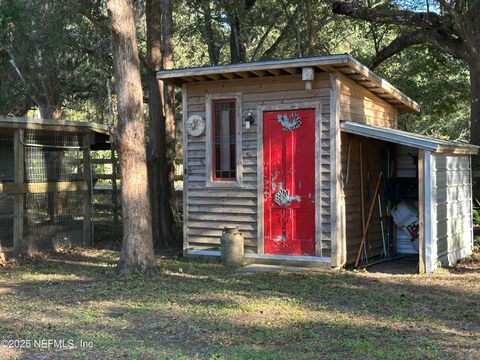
column 249, row 120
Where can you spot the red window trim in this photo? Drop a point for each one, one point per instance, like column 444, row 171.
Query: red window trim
column 214, row 162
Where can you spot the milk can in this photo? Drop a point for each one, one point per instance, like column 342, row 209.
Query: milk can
column 231, row 245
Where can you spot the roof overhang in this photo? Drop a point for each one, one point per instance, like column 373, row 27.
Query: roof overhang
column 409, row 139
column 343, row 63
column 102, row 133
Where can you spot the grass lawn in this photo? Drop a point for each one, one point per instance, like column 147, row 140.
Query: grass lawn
column 198, row 310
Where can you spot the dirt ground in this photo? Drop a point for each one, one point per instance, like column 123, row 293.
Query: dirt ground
column 189, row 309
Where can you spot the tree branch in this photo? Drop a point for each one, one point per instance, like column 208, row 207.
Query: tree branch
column 423, row 36
column 285, row 32
column 424, row 20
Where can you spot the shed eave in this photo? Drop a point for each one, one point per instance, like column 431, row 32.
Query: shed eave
column 408, row 139
column 342, row 63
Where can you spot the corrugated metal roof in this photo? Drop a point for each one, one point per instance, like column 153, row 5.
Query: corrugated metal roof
column 342, row 63
column 409, row 139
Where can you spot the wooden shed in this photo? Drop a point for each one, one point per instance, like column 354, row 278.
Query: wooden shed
column 304, row 156
column 46, row 183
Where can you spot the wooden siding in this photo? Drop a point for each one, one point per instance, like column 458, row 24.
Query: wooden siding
column 208, row 210
column 452, row 198
column 373, row 152
column 360, row 105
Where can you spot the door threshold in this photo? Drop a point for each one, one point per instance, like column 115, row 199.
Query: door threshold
column 289, row 260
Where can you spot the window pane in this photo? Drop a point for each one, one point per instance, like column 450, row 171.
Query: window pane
column 224, row 140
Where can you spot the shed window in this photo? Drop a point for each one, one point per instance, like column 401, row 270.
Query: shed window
column 224, row 140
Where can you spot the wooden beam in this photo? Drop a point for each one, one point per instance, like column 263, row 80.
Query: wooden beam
column 213, row 76
column 293, row 71
column 87, row 196
column 228, row 76
column 34, row 123
column 260, row 73
column 101, row 161
column 19, row 198
column 358, row 78
column 345, row 70
column 105, row 176
column 275, row 72
column 327, row 68
column 115, row 176
column 35, row 188
column 243, row 74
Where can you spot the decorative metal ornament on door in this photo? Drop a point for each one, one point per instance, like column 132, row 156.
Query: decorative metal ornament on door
column 289, row 124
column 283, row 198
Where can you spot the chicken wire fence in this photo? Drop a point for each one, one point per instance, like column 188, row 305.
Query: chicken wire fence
column 52, row 193
column 6, row 176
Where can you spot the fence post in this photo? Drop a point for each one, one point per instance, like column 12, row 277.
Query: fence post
column 114, row 189
column 19, row 197
column 87, row 197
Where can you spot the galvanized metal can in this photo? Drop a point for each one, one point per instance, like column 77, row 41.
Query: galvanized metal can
column 231, row 246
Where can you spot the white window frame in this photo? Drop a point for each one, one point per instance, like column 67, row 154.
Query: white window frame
column 209, row 140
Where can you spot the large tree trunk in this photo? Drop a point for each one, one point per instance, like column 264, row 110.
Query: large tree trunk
column 163, row 224
column 157, row 119
column 137, row 248
column 168, row 189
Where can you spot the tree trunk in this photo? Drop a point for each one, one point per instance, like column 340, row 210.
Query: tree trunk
column 237, row 47
column 310, row 30
column 475, row 121
column 213, row 49
column 167, row 188
column 475, row 103
column 137, row 247
column 155, row 110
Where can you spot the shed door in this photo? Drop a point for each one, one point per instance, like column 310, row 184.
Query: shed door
column 289, row 182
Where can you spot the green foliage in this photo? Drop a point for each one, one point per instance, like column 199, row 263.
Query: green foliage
column 52, row 57
column 440, row 84
column 476, row 217
column 79, row 53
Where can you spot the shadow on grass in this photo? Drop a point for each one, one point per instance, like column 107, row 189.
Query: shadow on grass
column 189, row 307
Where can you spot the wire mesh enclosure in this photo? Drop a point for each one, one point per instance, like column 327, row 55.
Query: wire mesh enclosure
column 46, row 183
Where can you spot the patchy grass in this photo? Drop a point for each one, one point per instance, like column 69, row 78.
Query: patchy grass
column 198, row 310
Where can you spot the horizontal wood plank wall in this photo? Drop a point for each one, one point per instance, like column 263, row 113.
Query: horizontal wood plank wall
column 373, row 153
column 360, row 105
column 210, row 209
column 452, row 196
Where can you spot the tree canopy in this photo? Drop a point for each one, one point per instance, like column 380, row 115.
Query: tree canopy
column 63, row 66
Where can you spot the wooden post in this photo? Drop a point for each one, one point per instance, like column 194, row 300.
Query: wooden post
column 19, row 198
column 421, row 212
column 114, row 189
column 87, row 197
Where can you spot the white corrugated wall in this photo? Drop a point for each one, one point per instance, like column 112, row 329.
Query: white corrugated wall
column 452, row 197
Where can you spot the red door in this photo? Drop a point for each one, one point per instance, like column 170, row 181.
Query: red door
column 289, row 182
